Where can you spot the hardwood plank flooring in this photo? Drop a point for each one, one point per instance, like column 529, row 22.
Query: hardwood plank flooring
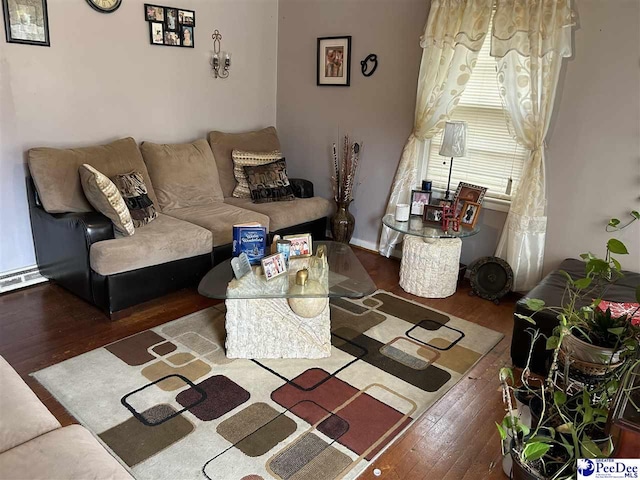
column 455, row 439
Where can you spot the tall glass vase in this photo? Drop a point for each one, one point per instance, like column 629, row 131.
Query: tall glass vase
column 342, row 223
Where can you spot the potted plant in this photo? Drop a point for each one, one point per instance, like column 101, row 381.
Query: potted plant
column 569, row 408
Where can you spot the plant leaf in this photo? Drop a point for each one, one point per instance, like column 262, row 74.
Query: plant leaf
column 505, row 373
column 617, row 247
column 565, row 428
column 553, row 342
column 526, row 318
column 535, row 450
column 616, row 264
column 503, row 433
column 617, row 331
column 635, row 214
column 614, row 222
column 535, row 304
column 559, row 398
column 589, row 449
column 583, row 283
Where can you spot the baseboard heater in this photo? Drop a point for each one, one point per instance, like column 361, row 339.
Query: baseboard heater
column 20, row 278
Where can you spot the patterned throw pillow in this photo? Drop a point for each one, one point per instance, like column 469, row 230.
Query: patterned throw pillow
column 269, row 183
column 105, row 198
column 134, row 191
column 243, row 159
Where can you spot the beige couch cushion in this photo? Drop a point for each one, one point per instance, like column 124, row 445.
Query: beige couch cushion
column 219, row 218
column 183, row 175
column 164, row 240
column 222, row 144
column 286, row 214
column 67, row 453
column 55, row 172
column 22, row 415
column 105, row 197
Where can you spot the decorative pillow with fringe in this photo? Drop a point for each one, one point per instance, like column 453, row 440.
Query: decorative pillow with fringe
column 104, row 196
column 243, row 159
column 134, row 192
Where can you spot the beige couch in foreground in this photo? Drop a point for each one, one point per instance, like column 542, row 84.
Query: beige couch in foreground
column 33, row 444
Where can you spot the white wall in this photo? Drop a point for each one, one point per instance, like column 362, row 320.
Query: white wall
column 593, row 160
column 101, row 80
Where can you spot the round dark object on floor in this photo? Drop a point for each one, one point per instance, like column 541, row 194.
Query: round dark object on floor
column 491, row 278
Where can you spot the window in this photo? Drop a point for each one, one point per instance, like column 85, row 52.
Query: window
column 493, row 155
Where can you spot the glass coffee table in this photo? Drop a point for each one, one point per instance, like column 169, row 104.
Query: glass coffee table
column 260, row 322
column 430, row 256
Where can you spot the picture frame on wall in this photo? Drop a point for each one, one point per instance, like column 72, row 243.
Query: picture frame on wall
column 170, row 26
column 154, row 13
column 156, row 32
column 419, row 198
column 469, row 214
column 26, row 22
column 334, row 61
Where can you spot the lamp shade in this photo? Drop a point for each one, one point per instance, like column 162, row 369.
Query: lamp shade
column 454, row 143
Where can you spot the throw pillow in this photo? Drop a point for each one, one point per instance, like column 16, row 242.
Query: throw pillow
column 243, row 159
column 134, row 191
column 269, row 183
column 104, row 196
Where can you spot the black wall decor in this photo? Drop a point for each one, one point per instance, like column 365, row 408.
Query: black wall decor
column 170, row 26
column 373, row 58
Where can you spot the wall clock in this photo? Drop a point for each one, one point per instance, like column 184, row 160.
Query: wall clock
column 105, row 6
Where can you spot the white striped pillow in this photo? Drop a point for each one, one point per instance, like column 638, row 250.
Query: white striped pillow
column 242, row 159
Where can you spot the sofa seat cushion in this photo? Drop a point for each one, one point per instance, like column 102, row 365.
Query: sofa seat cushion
column 22, row 416
column 219, row 219
column 164, row 240
column 55, row 172
column 222, row 144
column 67, row 453
column 287, row 214
column 183, row 175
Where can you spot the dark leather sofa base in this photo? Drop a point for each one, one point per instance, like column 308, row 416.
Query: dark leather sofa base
column 551, row 290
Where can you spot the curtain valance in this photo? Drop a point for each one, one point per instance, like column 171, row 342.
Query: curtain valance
column 457, row 22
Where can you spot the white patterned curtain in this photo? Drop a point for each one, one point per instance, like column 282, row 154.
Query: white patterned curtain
column 451, row 41
column 529, row 39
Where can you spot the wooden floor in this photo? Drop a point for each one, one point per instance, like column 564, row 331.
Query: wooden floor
column 454, row 439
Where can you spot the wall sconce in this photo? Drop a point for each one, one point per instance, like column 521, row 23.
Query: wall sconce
column 221, row 61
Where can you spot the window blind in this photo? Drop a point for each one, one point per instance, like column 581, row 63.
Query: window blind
column 493, row 155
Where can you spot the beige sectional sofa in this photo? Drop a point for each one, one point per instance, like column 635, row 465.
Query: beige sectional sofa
column 191, row 187
column 34, row 445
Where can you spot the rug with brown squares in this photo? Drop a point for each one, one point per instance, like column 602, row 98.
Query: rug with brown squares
column 170, row 405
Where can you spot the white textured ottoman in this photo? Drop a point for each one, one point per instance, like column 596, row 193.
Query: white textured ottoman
column 430, row 268
column 267, row 328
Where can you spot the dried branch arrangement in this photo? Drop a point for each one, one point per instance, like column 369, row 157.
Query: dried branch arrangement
column 344, row 170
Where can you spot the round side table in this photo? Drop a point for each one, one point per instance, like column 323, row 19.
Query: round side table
column 430, row 257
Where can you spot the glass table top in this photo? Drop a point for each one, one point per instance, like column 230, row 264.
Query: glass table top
column 415, row 226
column 344, row 277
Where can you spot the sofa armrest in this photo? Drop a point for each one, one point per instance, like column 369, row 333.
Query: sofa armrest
column 62, row 242
column 301, row 188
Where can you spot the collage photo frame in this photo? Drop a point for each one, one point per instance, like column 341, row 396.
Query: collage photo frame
column 170, row 26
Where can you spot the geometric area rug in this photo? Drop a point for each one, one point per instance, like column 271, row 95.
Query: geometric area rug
column 170, row 405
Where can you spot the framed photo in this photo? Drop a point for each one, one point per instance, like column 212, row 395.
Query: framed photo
column 187, row 17
column 334, row 61
column 154, row 13
column 419, row 198
column 172, row 38
column 300, row 245
column 470, row 193
column 186, row 36
column 171, row 19
column 274, row 265
column 432, row 214
column 26, row 22
column 469, row 214
column 156, row 31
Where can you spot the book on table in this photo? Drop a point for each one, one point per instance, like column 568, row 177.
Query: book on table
column 250, row 238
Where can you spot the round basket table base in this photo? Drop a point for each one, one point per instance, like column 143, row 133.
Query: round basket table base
column 430, row 268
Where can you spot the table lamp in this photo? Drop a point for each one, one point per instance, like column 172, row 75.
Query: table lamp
column 454, row 144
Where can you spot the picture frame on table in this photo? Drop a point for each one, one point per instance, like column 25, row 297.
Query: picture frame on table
column 469, row 214
column 273, row 266
column 301, row 245
column 334, row 61
column 26, row 22
column 419, row 198
column 432, row 215
column 470, row 193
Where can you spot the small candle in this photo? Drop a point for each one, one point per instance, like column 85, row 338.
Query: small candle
column 402, row 212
